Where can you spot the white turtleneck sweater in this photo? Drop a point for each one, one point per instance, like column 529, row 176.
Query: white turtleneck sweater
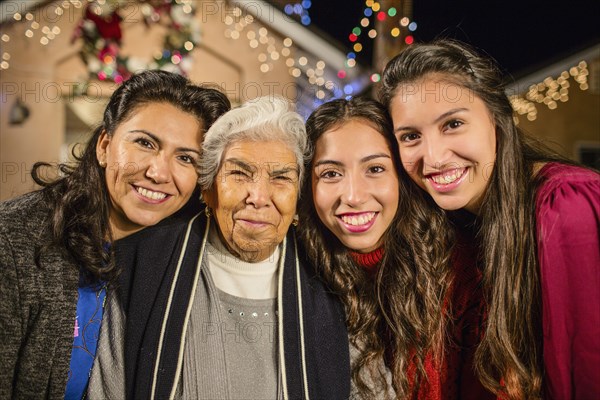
column 239, row 278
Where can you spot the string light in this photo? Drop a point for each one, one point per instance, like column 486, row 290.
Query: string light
column 550, row 91
column 374, row 9
column 239, row 26
column 300, row 10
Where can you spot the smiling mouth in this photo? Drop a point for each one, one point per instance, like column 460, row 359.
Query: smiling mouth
column 447, row 177
column 150, row 194
column 357, row 219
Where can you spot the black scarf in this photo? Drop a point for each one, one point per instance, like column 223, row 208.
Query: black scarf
column 149, row 260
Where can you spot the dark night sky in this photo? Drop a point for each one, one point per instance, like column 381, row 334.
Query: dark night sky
column 521, row 35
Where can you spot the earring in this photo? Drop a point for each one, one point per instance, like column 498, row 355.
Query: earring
column 296, row 220
column 102, row 164
column 208, row 212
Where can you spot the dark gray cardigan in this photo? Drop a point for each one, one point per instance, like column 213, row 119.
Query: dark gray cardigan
column 37, row 304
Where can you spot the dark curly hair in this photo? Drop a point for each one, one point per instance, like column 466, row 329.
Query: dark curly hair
column 410, row 246
column 78, row 200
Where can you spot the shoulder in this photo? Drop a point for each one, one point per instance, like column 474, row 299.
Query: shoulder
column 554, row 176
column 567, row 188
column 567, row 202
column 23, row 215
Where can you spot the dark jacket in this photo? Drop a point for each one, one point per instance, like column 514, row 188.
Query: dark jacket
column 37, row 304
column 151, row 257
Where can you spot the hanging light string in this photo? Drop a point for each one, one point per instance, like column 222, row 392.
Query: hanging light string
column 550, row 92
column 100, row 33
column 43, row 30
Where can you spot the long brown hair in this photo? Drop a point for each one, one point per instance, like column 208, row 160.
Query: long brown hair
column 400, row 268
column 511, row 348
column 78, row 201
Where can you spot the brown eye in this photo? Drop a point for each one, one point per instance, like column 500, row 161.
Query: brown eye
column 144, row 143
column 330, row 174
column 409, row 137
column 377, row 169
column 454, row 124
column 187, row 159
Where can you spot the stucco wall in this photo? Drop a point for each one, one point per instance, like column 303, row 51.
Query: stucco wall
column 43, row 77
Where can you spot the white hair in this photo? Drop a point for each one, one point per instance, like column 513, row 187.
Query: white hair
column 270, row 118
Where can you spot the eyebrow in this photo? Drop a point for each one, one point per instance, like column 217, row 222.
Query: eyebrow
column 438, row 119
column 362, row 160
column 157, row 140
column 283, row 171
column 242, row 164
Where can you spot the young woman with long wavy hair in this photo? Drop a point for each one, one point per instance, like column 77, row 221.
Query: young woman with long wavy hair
column 533, row 217
column 359, row 217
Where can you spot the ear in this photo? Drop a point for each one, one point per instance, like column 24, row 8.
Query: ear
column 210, row 197
column 101, row 147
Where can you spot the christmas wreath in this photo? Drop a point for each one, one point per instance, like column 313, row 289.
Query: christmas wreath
column 100, row 29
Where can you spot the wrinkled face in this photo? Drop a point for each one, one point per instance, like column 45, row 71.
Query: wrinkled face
column 150, row 166
column 253, row 198
column 447, row 141
column 355, row 185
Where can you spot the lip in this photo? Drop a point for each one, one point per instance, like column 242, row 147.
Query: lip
column 252, row 223
column 146, row 199
column 357, row 228
column 447, row 187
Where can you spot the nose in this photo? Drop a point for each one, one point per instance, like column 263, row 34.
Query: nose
column 259, row 192
column 159, row 169
column 354, row 192
column 436, row 152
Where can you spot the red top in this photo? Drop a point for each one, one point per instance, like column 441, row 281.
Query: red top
column 369, row 261
column 568, row 243
column 455, row 378
column 568, row 240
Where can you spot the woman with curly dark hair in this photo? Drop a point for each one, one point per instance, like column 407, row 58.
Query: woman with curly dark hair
column 533, row 217
column 359, row 219
column 139, row 167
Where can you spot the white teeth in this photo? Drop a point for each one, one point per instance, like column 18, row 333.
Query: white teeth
column 446, row 179
column 360, row 220
column 150, row 194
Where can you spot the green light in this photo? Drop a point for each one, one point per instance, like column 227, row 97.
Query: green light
column 392, row 12
column 356, row 31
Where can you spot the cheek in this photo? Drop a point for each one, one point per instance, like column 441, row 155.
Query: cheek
column 321, row 199
column 409, row 158
column 286, row 204
column 224, row 221
column 186, row 182
column 391, row 197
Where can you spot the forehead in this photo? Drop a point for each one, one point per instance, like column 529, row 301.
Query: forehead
column 433, row 89
column 163, row 120
column 263, row 154
column 356, row 138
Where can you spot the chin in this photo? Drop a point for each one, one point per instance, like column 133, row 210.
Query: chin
column 450, row 206
column 361, row 247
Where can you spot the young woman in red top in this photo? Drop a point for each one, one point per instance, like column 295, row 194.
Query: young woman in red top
column 533, row 217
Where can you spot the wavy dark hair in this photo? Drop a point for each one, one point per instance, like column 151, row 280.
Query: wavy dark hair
column 408, row 234
column 511, row 347
column 79, row 204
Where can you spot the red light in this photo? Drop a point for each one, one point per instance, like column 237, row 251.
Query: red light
column 352, row 37
column 409, row 40
column 341, row 74
column 381, row 15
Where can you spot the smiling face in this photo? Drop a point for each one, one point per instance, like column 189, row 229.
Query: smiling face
column 150, row 166
column 447, row 141
column 355, row 185
column 254, row 197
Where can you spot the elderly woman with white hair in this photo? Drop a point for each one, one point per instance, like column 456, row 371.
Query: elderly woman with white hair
column 225, row 305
